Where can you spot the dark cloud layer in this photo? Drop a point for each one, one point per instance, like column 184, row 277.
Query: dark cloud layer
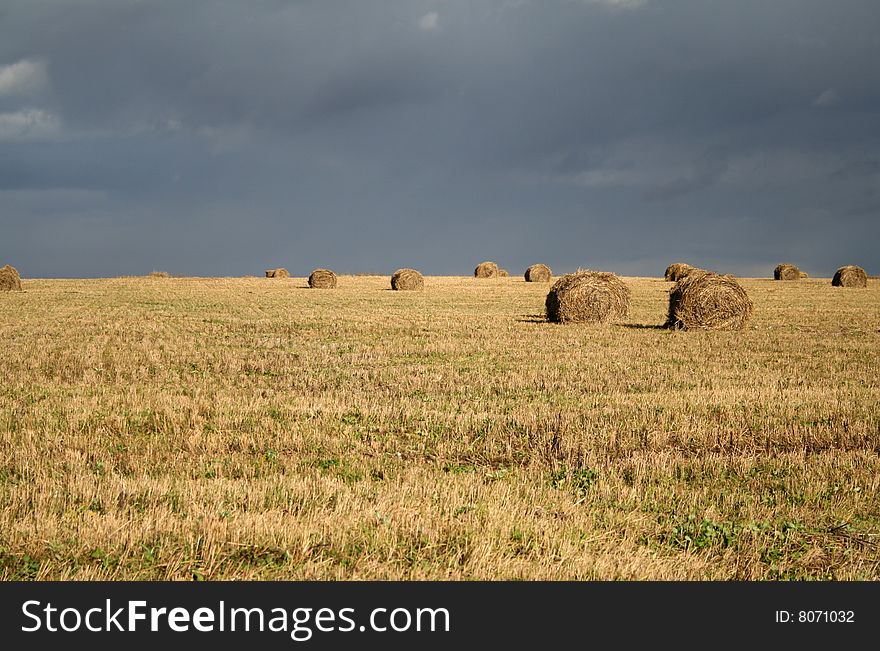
column 219, row 138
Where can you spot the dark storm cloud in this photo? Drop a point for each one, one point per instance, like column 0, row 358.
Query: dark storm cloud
column 223, row 137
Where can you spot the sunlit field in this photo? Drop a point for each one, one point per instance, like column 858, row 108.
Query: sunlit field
column 252, row 428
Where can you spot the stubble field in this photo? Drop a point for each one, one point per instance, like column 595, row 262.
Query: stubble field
column 252, row 428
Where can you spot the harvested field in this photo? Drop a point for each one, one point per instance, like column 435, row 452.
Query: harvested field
column 242, row 429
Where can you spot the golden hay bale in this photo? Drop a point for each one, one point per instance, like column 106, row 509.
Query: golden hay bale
column 786, row 271
column 706, row 301
column 538, row 273
column 159, row 274
column 503, row 273
column 587, row 297
column 281, row 272
column 407, row 279
column 804, row 274
column 486, row 270
column 322, row 279
column 678, row 270
column 850, row 276
column 10, row 281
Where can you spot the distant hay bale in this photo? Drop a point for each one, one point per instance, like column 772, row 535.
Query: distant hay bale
column 159, row 274
column 407, row 280
column 10, row 281
column 322, row 279
column 538, row 273
column 804, row 274
column 678, row 270
column 850, row 276
column 503, row 273
column 786, row 271
column 281, row 272
column 707, row 301
column 588, row 297
column 486, row 270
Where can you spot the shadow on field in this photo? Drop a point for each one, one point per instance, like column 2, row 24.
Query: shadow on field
column 642, row 326
column 532, row 318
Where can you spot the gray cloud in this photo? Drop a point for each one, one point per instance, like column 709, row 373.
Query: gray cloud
column 221, row 137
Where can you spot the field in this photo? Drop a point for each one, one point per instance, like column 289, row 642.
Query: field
column 251, row 428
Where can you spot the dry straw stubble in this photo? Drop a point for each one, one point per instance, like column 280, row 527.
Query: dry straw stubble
column 407, row 280
column 850, row 276
column 588, row 297
column 538, row 273
column 787, row 271
column 322, row 279
column 10, row 280
column 708, row 301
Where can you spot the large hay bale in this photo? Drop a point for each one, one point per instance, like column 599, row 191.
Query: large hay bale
column 704, row 300
column 486, row 270
column 322, row 279
column 538, row 273
column 503, row 273
column 587, row 297
column 850, row 276
column 407, row 280
column 10, row 281
column 281, row 272
column 678, row 270
column 787, row 271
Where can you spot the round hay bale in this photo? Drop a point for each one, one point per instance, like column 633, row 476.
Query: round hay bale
column 707, row 301
column 538, row 273
column 587, row 297
column 677, row 270
column 786, row 271
column 407, row 280
column 850, row 276
column 486, row 270
column 281, row 272
column 503, row 273
column 322, row 279
column 10, row 280
column 804, row 274
column 159, row 274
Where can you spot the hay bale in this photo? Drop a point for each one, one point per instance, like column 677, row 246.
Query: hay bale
column 503, row 273
column 159, row 274
column 587, row 297
column 538, row 273
column 486, row 270
column 707, row 301
column 407, row 280
column 322, row 279
column 678, row 270
column 786, row 271
column 10, row 280
column 804, row 274
column 850, row 276
column 281, row 272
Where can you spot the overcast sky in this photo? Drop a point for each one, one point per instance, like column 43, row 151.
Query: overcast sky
column 220, row 138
